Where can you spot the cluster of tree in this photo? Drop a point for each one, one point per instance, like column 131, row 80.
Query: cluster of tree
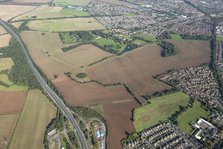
column 168, row 49
column 164, row 35
column 129, row 47
column 87, row 113
column 195, row 37
column 68, row 146
column 20, row 72
column 133, row 137
column 65, row 49
column 161, row 93
column 73, row 139
column 176, row 114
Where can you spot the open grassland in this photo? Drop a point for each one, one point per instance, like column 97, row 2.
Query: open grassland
column 176, row 37
column 220, row 37
column 159, row 109
column 51, row 12
column 9, row 11
column 137, row 68
column 90, row 93
column 192, row 114
column 118, row 117
column 4, row 40
column 34, row 118
column 11, row 102
column 71, row 2
column 116, row 46
column 145, row 37
column 98, row 108
column 4, row 78
column 7, row 125
column 2, row 30
column 5, row 63
column 62, row 25
column 46, row 52
column 116, row 2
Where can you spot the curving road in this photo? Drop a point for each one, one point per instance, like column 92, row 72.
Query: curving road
column 55, row 98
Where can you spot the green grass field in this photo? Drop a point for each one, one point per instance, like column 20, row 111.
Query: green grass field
column 35, row 116
column 159, row 109
column 176, row 37
column 108, row 42
column 98, row 108
column 190, row 115
column 146, row 37
column 220, row 37
column 5, row 64
column 71, row 2
column 64, row 25
column 72, row 12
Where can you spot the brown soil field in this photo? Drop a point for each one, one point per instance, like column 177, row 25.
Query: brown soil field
column 9, row 11
column 137, row 68
column 7, row 126
column 31, row 1
column 89, row 93
column 118, row 117
column 46, row 49
column 12, row 102
column 2, row 30
column 4, row 40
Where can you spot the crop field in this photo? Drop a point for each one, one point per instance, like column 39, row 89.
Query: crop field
column 2, row 30
column 51, row 12
column 5, row 64
column 118, row 117
column 34, row 118
column 90, row 93
column 46, row 49
column 192, row 114
column 71, row 2
column 108, row 42
column 159, row 109
column 4, row 40
column 7, row 125
column 11, row 102
column 31, row 1
column 9, row 11
column 137, row 68
column 63, row 25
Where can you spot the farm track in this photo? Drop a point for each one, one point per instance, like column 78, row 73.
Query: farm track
column 55, row 98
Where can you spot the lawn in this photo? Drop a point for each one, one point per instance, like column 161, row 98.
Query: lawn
column 145, row 37
column 190, row 115
column 176, row 37
column 159, row 109
column 71, row 2
column 72, row 12
column 35, row 116
column 63, row 25
column 116, row 46
column 98, row 108
column 220, row 37
column 5, row 63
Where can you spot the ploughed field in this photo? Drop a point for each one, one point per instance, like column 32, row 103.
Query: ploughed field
column 137, row 68
column 45, row 50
